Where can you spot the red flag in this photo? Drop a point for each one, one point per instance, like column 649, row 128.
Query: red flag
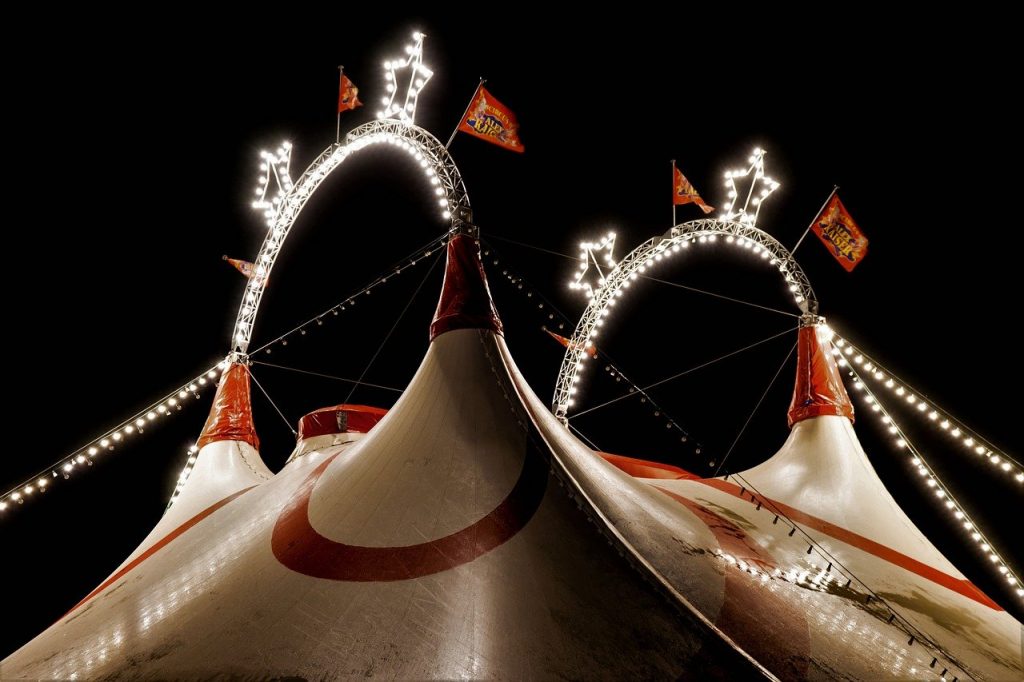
column 348, row 95
column 589, row 348
column 840, row 235
column 684, row 193
column 490, row 120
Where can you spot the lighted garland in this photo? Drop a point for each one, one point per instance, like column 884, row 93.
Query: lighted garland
column 548, row 311
column 110, row 439
column 648, row 256
column 927, row 474
column 938, row 418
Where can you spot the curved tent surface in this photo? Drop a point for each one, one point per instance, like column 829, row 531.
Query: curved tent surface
column 822, row 481
column 445, row 543
column 469, row 534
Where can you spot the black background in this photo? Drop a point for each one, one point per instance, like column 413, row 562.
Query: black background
column 138, row 158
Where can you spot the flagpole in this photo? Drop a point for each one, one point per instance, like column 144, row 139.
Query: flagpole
column 673, row 192
column 471, row 100
column 337, row 132
column 800, row 241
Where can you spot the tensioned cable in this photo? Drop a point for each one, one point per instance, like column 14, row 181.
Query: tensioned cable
column 325, row 376
column 272, row 403
column 393, row 327
column 411, row 257
column 685, row 372
column 909, row 627
column 722, row 296
column 756, row 408
column 947, row 414
column 579, row 433
column 612, row 363
column 653, row 279
column 535, row 248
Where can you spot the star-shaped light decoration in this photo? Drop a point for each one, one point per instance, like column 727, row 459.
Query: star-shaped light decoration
column 276, row 166
column 754, row 196
column 412, row 71
column 590, row 256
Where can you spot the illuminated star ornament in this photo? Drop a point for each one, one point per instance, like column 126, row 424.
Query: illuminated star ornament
column 274, row 166
column 590, row 255
column 760, row 187
column 410, row 71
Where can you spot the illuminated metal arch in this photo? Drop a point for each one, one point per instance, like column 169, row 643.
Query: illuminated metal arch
column 425, row 149
column 656, row 249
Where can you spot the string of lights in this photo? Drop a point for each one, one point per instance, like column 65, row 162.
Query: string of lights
column 177, row 399
column 828, row 577
column 917, row 461
column 551, row 314
column 109, row 440
column 928, row 410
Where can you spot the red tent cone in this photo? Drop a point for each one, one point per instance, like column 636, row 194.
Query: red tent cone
column 819, row 388
column 465, row 297
column 231, row 414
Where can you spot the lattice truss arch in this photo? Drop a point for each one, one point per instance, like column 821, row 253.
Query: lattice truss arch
column 424, row 148
column 630, row 268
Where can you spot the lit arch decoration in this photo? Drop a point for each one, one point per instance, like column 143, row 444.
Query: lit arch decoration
column 677, row 240
column 424, row 148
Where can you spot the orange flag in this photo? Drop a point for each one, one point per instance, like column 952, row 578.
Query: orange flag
column 243, row 266
column 840, row 235
column 348, row 95
column 590, row 348
column 684, row 193
column 490, row 120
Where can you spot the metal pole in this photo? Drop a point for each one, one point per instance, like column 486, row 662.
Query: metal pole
column 673, row 192
column 800, row 241
column 471, row 100
column 337, row 132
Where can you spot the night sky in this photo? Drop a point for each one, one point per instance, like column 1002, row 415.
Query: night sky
column 136, row 186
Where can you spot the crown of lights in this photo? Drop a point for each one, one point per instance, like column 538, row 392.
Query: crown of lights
column 276, row 166
column 417, row 75
column 589, row 255
column 754, row 197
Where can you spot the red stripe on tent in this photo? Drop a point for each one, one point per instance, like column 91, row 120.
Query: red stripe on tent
column 298, row 546
column 160, row 544
column 642, row 468
column 958, row 585
column 465, row 297
column 772, row 629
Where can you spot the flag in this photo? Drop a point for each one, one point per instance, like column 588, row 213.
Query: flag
column 348, row 95
column 684, row 193
column 490, row 120
column 840, row 235
column 589, row 348
column 244, row 267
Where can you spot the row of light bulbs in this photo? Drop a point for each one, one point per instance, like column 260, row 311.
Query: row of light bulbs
column 193, row 452
column 83, row 457
column 353, row 298
column 290, row 201
column 276, row 166
column 927, row 474
column 768, row 185
column 588, row 255
column 664, row 249
column 817, row 578
column 939, row 419
column 420, row 74
column 613, row 371
column 171, row 403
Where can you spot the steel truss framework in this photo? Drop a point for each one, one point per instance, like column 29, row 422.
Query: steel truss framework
column 677, row 240
column 425, row 150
